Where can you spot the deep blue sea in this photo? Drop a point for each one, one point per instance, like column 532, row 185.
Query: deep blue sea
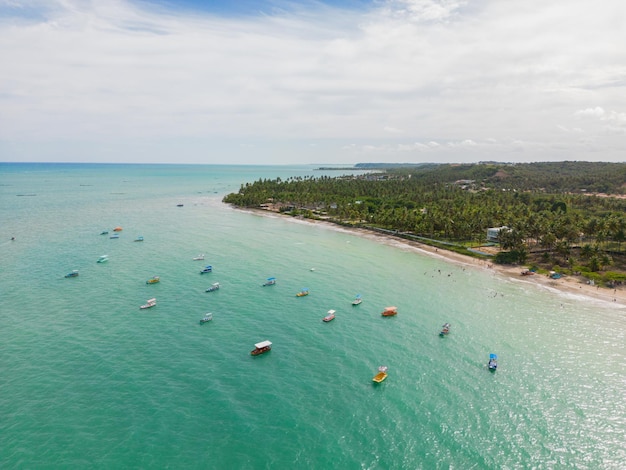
column 88, row 380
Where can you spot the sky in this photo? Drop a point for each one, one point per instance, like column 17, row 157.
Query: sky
column 325, row 81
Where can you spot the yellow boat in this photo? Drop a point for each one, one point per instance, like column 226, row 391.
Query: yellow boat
column 154, row 280
column 382, row 374
column 302, row 293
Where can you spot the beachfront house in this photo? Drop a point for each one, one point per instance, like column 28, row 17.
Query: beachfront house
column 492, row 233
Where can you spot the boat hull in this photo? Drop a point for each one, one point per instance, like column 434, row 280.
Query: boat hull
column 259, row 351
column 380, row 377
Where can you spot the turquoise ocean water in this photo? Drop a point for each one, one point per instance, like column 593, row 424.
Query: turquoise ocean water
column 88, row 380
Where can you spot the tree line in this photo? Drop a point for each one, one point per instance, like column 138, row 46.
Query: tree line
column 548, row 207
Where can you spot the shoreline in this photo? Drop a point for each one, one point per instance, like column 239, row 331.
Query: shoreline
column 566, row 285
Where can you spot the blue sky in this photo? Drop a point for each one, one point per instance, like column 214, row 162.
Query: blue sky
column 280, row 82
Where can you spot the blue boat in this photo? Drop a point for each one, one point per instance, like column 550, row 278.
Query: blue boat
column 207, row 269
column 493, row 362
column 270, row 281
column 357, row 300
column 72, row 274
column 139, row 239
column 115, row 235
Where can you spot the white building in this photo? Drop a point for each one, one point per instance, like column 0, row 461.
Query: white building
column 492, row 233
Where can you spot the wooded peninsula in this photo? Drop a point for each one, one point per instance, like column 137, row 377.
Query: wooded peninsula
column 562, row 218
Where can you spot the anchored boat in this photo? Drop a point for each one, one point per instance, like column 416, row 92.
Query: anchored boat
column 153, row 280
column 357, row 300
column 330, row 316
column 303, row 292
column 382, row 374
column 390, row 311
column 207, row 269
column 493, row 362
column 206, row 318
column 74, row 273
column 260, row 348
column 270, row 281
column 214, row 287
column 445, row 329
column 149, row 304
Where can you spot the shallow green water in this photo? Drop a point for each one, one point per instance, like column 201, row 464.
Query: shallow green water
column 90, row 380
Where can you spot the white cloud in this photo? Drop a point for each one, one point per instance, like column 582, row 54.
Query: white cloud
column 80, row 74
column 596, row 112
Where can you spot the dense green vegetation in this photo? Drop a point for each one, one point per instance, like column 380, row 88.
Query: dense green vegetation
column 568, row 213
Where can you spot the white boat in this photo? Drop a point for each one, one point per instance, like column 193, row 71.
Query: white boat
column 214, row 287
column 149, row 304
column 199, row 258
column 103, row 259
column 357, row 300
column 262, row 347
column 206, row 318
column 270, row 281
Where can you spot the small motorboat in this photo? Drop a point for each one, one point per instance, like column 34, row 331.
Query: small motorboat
column 199, row 258
column 445, row 329
column 117, row 229
column 214, row 287
column 270, row 281
column 493, row 362
column 207, row 269
column 206, row 318
column 179, row 205
column 115, row 235
column 149, row 304
column 260, row 348
column 357, row 300
column 74, row 273
column 389, row 311
column 139, row 239
column 382, row 374
column 103, row 259
column 153, row 280
column 303, row 292
column 104, row 232
column 330, row 316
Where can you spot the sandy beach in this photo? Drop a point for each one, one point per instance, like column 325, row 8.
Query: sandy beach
column 566, row 285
